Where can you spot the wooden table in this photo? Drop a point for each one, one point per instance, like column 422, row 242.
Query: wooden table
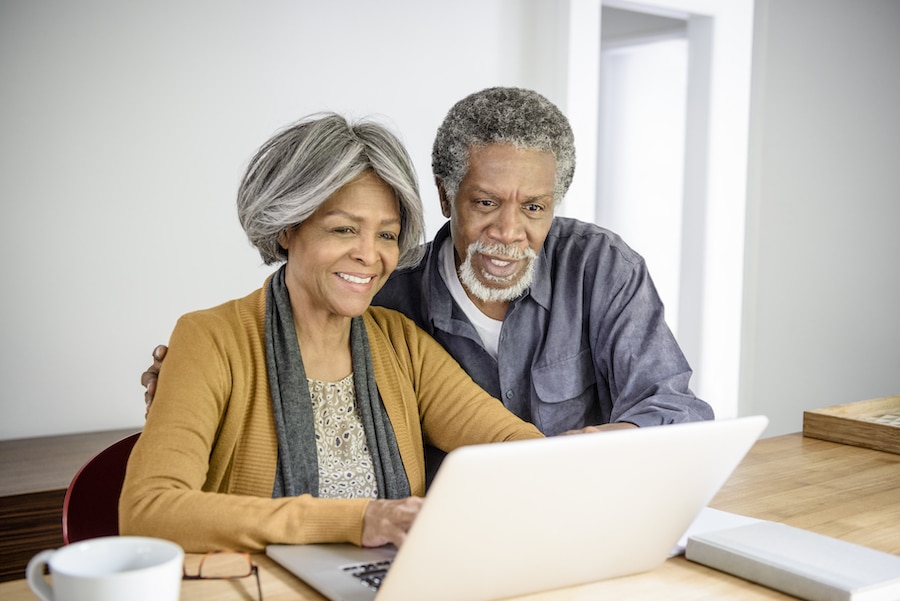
column 838, row 490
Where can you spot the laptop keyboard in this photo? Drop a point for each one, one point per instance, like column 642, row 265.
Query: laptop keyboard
column 370, row 575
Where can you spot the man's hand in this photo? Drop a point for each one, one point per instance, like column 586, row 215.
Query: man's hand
column 388, row 521
column 601, row 428
column 148, row 378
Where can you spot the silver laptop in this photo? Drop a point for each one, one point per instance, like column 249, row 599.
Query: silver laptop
column 515, row 518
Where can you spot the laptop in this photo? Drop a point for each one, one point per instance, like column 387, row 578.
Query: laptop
column 514, row 518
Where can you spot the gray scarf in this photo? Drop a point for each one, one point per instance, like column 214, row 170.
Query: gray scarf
column 298, row 464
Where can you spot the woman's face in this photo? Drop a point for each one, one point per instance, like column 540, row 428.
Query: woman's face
column 342, row 255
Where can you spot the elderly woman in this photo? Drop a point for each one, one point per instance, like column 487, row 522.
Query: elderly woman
column 298, row 413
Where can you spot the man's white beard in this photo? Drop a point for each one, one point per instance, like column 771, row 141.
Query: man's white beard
column 505, row 294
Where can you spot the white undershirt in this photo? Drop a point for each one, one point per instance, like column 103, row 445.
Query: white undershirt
column 488, row 329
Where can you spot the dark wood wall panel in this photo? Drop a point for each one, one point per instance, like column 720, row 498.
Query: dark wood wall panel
column 34, row 475
column 31, row 523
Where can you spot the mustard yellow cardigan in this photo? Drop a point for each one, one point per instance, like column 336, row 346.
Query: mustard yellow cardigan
column 202, row 472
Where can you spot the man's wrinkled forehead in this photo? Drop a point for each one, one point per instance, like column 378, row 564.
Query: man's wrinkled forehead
column 480, row 162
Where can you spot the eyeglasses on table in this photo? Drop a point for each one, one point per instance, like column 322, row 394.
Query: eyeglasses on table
column 225, row 565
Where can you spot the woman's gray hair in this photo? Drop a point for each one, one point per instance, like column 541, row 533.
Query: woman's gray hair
column 301, row 167
column 522, row 118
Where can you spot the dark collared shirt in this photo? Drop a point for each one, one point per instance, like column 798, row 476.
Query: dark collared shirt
column 587, row 344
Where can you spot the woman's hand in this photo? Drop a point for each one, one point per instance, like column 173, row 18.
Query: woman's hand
column 388, row 521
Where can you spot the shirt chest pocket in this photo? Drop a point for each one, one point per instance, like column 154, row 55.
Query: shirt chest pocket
column 565, row 380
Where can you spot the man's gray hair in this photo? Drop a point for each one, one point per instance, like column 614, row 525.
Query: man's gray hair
column 522, row 118
column 301, row 167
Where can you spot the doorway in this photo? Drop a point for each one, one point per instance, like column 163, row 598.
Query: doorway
column 705, row 302
column 641, row 150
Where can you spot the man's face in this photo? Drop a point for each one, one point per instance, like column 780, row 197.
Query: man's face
column 500, row 219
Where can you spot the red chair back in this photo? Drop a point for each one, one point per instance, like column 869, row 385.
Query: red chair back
column 91, row 506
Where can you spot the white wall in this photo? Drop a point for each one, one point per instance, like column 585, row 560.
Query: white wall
column 125, row 128
column 822, row 285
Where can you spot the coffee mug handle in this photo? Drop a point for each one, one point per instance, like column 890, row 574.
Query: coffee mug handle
column 34, row 573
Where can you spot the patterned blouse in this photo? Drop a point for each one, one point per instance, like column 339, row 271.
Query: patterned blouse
column 345, row 463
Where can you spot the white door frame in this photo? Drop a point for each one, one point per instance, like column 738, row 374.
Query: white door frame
column 715, row 178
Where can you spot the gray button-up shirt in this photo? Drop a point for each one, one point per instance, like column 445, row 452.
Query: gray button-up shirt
column 587, row 344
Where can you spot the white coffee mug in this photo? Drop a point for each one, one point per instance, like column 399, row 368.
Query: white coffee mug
column 111, row 568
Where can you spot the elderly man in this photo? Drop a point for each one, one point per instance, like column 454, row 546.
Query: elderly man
column 557, row 318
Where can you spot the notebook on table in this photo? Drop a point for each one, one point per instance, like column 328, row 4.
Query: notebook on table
column 515, row 518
